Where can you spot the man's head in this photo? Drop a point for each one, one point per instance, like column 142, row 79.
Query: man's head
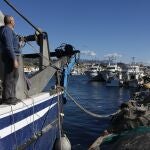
column 9, row 20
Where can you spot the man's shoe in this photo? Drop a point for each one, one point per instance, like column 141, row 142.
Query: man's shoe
column 8, row 102
column 17, row 100
column 11, row 101
column 1, row 101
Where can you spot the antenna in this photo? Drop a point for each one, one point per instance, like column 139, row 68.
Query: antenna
column 133, row 64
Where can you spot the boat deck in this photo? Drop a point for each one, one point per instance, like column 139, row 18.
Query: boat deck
column 25, row 103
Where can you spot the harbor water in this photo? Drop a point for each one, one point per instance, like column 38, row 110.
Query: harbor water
column 82, row 129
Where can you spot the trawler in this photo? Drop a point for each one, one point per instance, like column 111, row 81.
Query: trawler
column 93, row 72
column 36, row 121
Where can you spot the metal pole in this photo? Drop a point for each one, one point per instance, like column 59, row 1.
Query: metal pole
column 6, row 1
column 59, row 111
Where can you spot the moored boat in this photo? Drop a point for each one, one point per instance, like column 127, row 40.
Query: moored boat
column 36, row 121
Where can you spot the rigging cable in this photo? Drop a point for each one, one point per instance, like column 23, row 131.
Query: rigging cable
column 13, row 121
column 13, row 7
column 40, row 54
column 27, row 105
column 31, row 116
column 38, row 116
column 44, row 121
column 33, row 120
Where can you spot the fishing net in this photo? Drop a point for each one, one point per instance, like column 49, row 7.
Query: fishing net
column 135, row 139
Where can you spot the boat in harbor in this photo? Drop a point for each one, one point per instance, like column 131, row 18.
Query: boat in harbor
column 134, row 75
column 36, row 121
column 93, row 72
column 109, row 71
column 76, row 71
column 112, row 75
column 114, row 81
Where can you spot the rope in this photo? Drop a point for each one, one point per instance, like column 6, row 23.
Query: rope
column 37, row 115
column 30, row 119
column 35, row 50
column 41, row 128
column 33, row 120
column 32, row 101
column 99, row 141
column 33, row 129
column 14, row 126
column 87, row 111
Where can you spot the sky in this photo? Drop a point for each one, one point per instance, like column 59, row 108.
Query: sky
column 98, row 28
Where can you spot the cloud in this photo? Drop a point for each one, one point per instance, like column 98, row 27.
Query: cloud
column 113, row 55
column 88, row 53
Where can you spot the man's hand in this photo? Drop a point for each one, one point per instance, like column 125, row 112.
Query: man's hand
column 16, row 64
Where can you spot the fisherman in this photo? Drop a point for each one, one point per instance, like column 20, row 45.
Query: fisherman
column 10, row 48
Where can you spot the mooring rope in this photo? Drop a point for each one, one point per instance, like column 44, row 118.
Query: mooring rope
column 87, row 111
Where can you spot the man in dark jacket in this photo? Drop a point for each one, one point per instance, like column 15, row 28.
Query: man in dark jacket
column 10, row 47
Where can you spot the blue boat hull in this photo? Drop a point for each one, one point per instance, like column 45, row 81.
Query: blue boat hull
column 23, row 130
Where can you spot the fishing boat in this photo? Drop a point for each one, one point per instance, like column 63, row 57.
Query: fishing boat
column 93, row 72
column 114, row 81
column 111, row 70
column 134, row 75
column 36, row 121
